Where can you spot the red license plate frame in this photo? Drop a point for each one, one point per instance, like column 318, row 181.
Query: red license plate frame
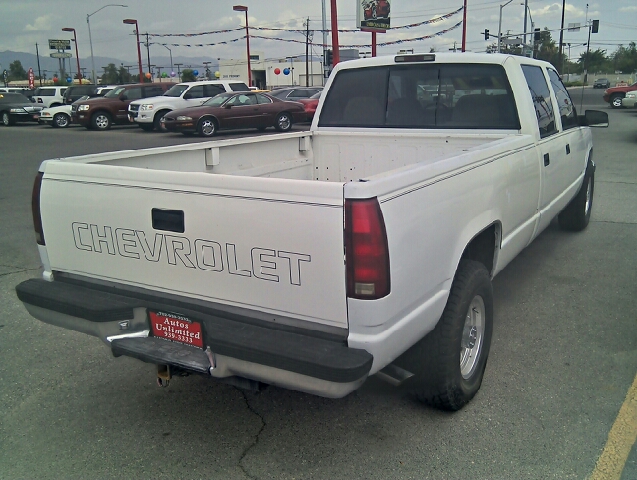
column 176, row 328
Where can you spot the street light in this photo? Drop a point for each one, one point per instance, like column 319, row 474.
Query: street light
column 241, row 8
column 500, row 25
column 77, row 55
column 171, row 56
column 526, row 7
column 89, row 34
column 132, row 21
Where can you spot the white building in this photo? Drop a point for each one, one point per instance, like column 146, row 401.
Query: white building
column 271, row 73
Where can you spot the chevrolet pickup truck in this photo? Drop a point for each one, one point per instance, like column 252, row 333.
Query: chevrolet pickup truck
column 313, row 260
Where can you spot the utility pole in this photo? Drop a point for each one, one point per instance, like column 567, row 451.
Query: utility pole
column 148, row 52
column 326, row 67
column 179, row 71
column 307, row 47
column 562, row 39
column 37, row 52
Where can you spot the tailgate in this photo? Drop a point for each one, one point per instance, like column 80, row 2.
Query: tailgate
column 272, row 245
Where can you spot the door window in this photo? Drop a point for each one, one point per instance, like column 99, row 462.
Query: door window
column 132, row 94
column 196, row 92
column 262, row 99
column 212, row 90
column 564, row 101
column 541, row 95
column 153, row 91
column 239, row 87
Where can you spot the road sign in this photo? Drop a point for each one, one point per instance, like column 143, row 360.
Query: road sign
column 574, row 27
column 31, row 79
column 513, row 41
column 60, row 55
column 59, row 44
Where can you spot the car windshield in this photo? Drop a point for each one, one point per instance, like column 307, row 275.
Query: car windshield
column 218, row 100
column 176, row 91
column 114, row 93
column 13, row 98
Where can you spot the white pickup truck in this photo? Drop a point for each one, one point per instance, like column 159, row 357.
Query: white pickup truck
column 312, row 260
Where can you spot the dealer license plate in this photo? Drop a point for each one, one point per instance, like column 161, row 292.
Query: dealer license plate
column 177, row 328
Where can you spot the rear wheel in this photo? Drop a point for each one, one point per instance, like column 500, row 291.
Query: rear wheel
column 283, row 122
column 61, row 120
column 449, row 362
column 577, row 214
column 207, row 127
column 101, row 121
column 616, row 101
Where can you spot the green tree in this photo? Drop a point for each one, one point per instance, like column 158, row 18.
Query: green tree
column 110, row 75
column 625, row 59
column 188, row 75
column 595, row 61
column 123, row 76
column 546, row 49
column 17, row 71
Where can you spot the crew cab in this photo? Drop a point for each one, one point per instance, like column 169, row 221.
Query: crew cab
column 101, row 113
column 148, row 113
column 313, row 260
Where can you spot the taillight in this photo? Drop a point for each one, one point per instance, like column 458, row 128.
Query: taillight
column 35, row 209
column 366, row 251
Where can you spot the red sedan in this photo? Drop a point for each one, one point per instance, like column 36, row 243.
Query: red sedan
column 310, row 105
column 235, row 110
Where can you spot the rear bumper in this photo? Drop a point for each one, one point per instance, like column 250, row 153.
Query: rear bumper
column 314, row 362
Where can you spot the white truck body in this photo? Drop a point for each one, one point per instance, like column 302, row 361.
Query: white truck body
column 262, row 236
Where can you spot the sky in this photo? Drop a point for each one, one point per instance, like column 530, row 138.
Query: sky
column 25, row 22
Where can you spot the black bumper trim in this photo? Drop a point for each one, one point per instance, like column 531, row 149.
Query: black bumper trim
column 299, row 351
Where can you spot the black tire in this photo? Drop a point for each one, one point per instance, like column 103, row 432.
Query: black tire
column 283, row 122
column 577, row 214
column 616, row 100
column 207, row 127
column 449, row 362
column 157, row 121
column 6, row 119
column 61, row 120
column 147, row 127
column 101, row 121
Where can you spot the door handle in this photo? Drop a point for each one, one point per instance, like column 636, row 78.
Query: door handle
column 168, row 220
column 568, row 149
column 546, row 160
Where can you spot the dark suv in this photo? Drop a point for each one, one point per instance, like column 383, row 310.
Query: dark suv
column 102, row 112
column 76, row 92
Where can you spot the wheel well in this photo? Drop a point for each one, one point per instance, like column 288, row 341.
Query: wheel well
column 483, row 247
column 162, row 112
column 105, row 112
column 211, row 117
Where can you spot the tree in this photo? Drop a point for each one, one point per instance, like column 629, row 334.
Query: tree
column 625, row 59
column 110, row 75
column 17, row 71
column 188, row 75
column 546, row 49
column 123, row 76
column 595, row 61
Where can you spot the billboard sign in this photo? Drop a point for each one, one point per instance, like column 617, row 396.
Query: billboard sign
column 373, row 14
column 59, row 44
column 31, row 79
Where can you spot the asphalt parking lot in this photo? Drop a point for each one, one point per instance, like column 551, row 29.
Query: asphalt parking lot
column 563, row 360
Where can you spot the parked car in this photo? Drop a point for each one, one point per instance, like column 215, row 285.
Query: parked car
column 601, row 83
column 102, row 112
column 75, row 92
column 295, row 93
column 235, row 110
column 629, row 100
column 615, row 95
column 149, row 112
column 58, row 117
column 15, row 107
column 310, row 105
column 49, row 96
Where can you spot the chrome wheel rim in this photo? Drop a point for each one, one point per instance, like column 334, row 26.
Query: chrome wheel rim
column 101, row 121
column 617, row 102
column 472, row 337
column 5, row 119
column 284, row 122
column 207, row 127
column 589, row 188
column 61, row 120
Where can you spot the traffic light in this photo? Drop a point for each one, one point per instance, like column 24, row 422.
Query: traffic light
column 536, row 35
column 595, row 26
column 486, row 34
column 328, row 58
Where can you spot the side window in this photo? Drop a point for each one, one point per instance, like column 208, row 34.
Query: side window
column 154, row 91
column 196, row 91
column 297, row 94
column 47, row 92
column 262, row 99
column 211, row 90
column 564, row 101
column 132, row 94
column 541, row 96
column 239, row 87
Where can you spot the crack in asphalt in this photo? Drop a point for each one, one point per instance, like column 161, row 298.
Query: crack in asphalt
column 256, row 437
column 17, row 271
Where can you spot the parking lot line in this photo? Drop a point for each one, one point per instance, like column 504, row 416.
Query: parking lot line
column 621, row 439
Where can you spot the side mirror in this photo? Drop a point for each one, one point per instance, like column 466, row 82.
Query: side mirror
column 594, row 118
